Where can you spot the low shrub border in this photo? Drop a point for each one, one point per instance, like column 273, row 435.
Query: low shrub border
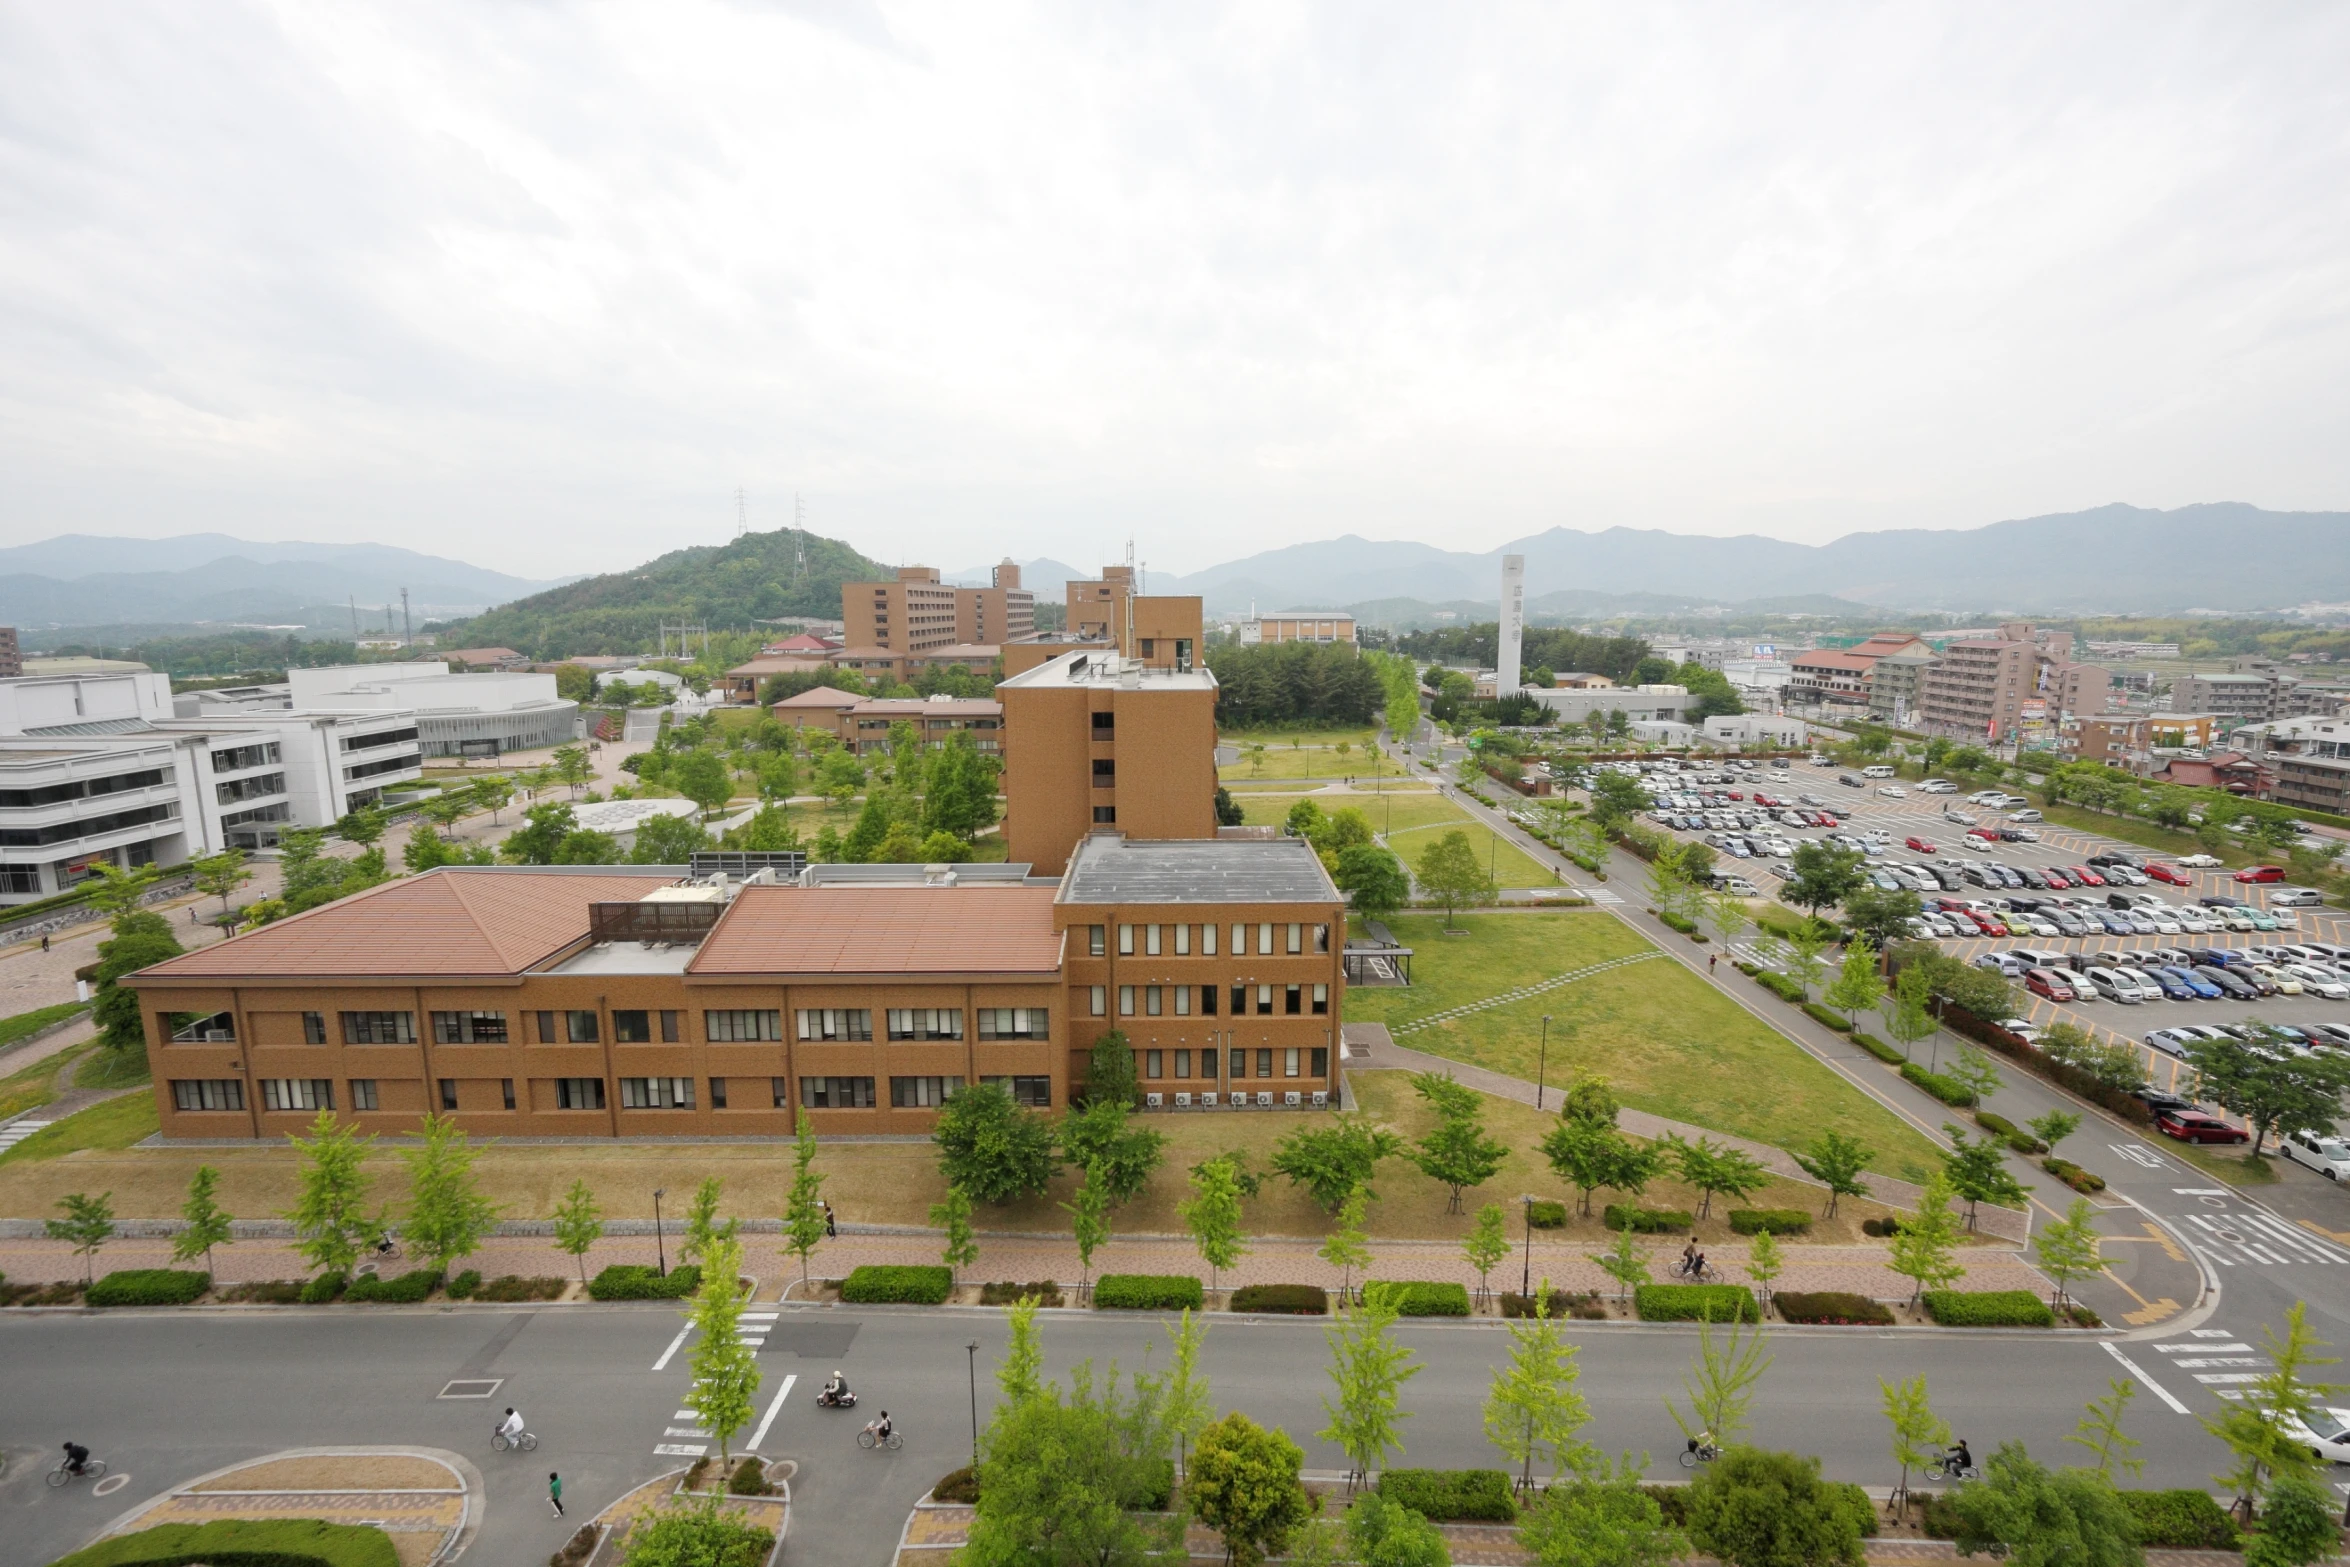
column 272, row 1542
column 2016, row 1137
column 1988, row 1309
column 1947, row 1089
column 1147, row 1292
column 1452, row 1495
column 1044, row 1292
column 326, row 1287
column 635, row 1281
column 1877, row 1047
column 264, row 1292
column 1881, row 1227
column 464, row 1285
column 2183, row 1520
column 404, row 1290
column 149, row 1287
column 2073, row 1175
column 1648, row 1221
column 899, row 1285
column 1547, row 1215
column 1584, row 1307
column 60, row 1294
column 1778, row 1221
column 1415, row 1298
column 1826, row 1018
column 517, row 1287
column 1692, row 1302
column 1832, row 1308
column 962, row 1485
column 1292, row 1300
column 1779, row 985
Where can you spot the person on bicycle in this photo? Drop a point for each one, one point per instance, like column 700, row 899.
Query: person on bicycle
column 837, row 1388
column 880, row 1429
column 511, row 1427
column 1697, row 1266
column 1688, row 1256
column 1703, row 1442
column 1959, row 1459
column 76, row 1457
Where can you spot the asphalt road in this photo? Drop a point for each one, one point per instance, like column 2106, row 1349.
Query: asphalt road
column 169, row 1396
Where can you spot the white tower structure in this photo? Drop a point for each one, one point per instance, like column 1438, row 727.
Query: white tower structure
column 1513, row 625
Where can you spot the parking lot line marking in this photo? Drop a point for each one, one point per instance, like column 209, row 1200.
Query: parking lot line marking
column 773, row 1410
column 690, row 1433
column 674, row 1344
column 2152, row 1386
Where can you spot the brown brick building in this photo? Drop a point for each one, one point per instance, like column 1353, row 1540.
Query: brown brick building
column 863, row 723
column 912, row 614
column 594, row 1001
column 1000, row 612
column 1095, row 741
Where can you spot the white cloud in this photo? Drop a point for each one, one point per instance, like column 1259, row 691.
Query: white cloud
column 540, row 286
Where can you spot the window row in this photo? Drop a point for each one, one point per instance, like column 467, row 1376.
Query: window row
column 307, row 1094
column 1311, row 1062
column 1201, row 1000
column 753, row 1025
column 1182, row 941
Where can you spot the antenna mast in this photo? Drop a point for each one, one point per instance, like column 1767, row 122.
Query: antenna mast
column 799, row 519
column 407, row 621
column 742, row 523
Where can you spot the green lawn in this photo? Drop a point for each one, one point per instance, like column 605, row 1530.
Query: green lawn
column 1413, row 821
column 112, row 1069
column 2131, row 829
column 31, row 1087
column 1667, row 1041
column 117, row 1123
column 1305, row 754
column 15, row 1028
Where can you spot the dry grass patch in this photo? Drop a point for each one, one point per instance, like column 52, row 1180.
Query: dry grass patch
column 338, row 1472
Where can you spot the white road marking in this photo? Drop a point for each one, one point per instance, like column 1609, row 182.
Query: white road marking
column 2218, row 1360
column 687, row 1431
column 680, row 1450
column 773, row 1410
column 2152, row 1386
column 674, row 1344
column 2203, row 1349
column 2227, row 1378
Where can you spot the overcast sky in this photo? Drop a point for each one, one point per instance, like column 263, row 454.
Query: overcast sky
column 540, row 286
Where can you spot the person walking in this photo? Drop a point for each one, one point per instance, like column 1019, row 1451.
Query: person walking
column 555, row 1492
column 1711, row 959
column 44, row 943
column 831, row 1225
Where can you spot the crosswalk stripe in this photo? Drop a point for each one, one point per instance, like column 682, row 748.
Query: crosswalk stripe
column 679, row 1450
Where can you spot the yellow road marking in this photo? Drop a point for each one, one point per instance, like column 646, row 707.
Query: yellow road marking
column 2155, row 1311
column 2169, row 1246
column 2333, row 1235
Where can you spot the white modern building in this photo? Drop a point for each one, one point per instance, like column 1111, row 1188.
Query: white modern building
column 1755, row 729
column 1638, row 704
column 456, row 715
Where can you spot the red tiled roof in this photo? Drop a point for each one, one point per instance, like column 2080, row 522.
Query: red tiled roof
column 442, row 924
column 820, row 696
column 1832, row 658
column 803, row 643
column 884, row 930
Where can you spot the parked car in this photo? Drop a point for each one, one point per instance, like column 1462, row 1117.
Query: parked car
column 2203, row 988
column 2159, row 1100
column 1937, row 786
column 2323, row 1152
column 2171, row 874
column 2193, row 1126
column 2110, row 984
column 2047, row 983
column 2295, row 898
column 2085, row 876
column 2025, row 816
column 2253, row 875
column 1959, row 817
column 2200, row 862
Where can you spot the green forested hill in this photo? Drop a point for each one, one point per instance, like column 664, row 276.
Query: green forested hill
column 725, row 587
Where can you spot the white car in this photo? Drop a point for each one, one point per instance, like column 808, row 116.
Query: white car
column 2318, row 982
column 2112, row 986
column 1893, row 791
column 2330, row 1441
column 2287, row 984
column 2027, row 1032
column 1937, row 786
column 2200, row 862
column 2323, row 1152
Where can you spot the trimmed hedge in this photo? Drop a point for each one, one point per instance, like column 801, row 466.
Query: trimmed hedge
column 1826, row 1018
column 1881, row 1227
column 1294, row 1300
column 1044, row 1292
column 326, row 1287
column 1547, row 1215
column 1832, row 1307
column 1672, row 921
column 1648, row 1221
column 1989, row 1309
column 1779, row 985
column 405, row 1290
column 265, row 1292
column 1452, row 1495
column 243, row 1542
column 899, row 1285
column 1778, row 1221
column 1585, row 1307
column 465, row 1285
column 2181, row 1521
column 1147, row 1292
column 1693, row 1302
column 2073, row 1175
column 750, row 1479
column 1877, row 1047
column 962, row 1485
column 635, row 1281
column 1418, row 1299
column 1947, row 1089
column 149, row 1287
column 516, row 1287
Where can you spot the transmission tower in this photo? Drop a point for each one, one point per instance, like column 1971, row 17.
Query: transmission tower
column 799, row 522
column 742, row 523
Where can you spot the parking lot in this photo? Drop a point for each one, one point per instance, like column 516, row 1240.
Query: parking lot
column 1885, row 824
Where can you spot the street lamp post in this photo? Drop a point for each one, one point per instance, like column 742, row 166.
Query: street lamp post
column 971, row 1364
column 659, row 1250
column 1526, row 1274
column 1542, row 1062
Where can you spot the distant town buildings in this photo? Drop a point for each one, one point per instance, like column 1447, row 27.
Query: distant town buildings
column 2250, row 690
column 2009, row 686
column 863, row 724
column 2307, row 760
column 11, row 655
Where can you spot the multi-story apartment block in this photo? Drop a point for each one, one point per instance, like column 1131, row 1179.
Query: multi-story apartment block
column 912, row 614
column 2250, row 691
column 11, row 655
column 1981, row 688
column 1093, row 740
column 1300, row 625
column 2304, row 761
column 1000, row 612
column 1097, row 605
column 1895, row 683
column 1828, row 677
column 2133, row 741
column 624, row 1002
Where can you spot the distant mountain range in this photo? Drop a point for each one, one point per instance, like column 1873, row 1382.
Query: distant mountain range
column 83, row 579
column 2225, row 556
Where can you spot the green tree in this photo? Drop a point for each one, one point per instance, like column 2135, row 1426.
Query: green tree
column 1975, row 1070
column 1068, row 1482
column 1020, row 1376
column 1449, row 872
column 1333, row 1159
column 447, row 1214
column 1347, row 1247
column 579, row 1224
column 2068, row 1248
column 1212, row 1215
column 803, row 1209
column 362, row 826
column 1624, row 1262
column 2297, row 1529
column 141, row 939
column 572, row 768
column 1600, row 1524
column 839, row 775
column 1089, row 1218
column 1487, row 1244
column 1184, row 1404
column 1109, row 1071
column 1720, row 1385
column 541, row 835
column 1373, row 880
column 1909, row 1015
column 88, row 1224
column 1729, row 916
column 1245, row 1483
column 1925, row 1248
column 330, row 1223
column 2276, row 1091
column 1857, row 984
column 769, row 831
column 1824, row 875
column 2258, row 1428
column 726, row 1370
column 1584, row 1154
column 1836, row 1161
column 668, row 840
column 1616, row 799
column 207, row 1222
column 1804, row 963
column 1763, row 1263
column 1881, row 916
column 2054, row 1127
column 959, row 1247
column 220, row 875
column 2038, row 1517
column 1750, row 1508
column 702, row 1228
column 1368, row 1369
column 1381, row 1533
column 960, row 793
column 1919, row 1435
column 2100, row 1430
column 1589, row 1099
column 702, row 776
column 1457, row 1152
column 493, row 794
column 992, row 1148
column 1533, row 1406
column 115, row 892
column 1102, row 1138
column 1712, row 1169
column 1977, row 1171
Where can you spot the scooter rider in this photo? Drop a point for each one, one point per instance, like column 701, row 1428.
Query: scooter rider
column 837, row 1389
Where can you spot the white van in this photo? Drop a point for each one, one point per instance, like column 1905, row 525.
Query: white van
column 1881, row 770
column 2113, row 987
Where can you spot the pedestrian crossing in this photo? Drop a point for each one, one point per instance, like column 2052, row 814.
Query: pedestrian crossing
column 2217, row 1359
column 2239, row 1239
column 18, row 1130
column 684, row 1435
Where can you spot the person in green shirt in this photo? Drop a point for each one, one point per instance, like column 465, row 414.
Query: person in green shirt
column 555, row 1492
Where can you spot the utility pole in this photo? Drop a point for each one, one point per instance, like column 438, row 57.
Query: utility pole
column 354, row 619
column 407, row 621
column 799, row 519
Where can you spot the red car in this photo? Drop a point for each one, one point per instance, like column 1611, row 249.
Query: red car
column 2085, row 876
column 2157, row 871
column 2047, row 982
column 1991, row 925
column 1736, row 795
column 2193, row 1126
column 1768, row 802
column 2261, row 873
column 1920, row 846
column 2058, row 881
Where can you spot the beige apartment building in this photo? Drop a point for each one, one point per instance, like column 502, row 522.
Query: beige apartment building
column 863, row 723
column 1981, row 688
column 1095, row 741
column 1003, row 611
column 912, row 614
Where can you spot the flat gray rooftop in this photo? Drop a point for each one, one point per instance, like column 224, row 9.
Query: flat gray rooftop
column 1110, row 869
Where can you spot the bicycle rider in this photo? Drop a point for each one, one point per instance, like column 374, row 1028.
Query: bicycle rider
column 77, row 1458
column 880, row 1429
column 511, row 1427
column 1703, row 1442
column 1959, row 1459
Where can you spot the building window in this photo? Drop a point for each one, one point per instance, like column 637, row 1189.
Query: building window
column 579, row 1093
column 1264, row 1001
column 363, row 1096
column 1240, row 941
column 779, row 1087
column 747, row 1026
column 1207, row 998
column 1093, row 941
column 547, row 1034
column 207, row 1093
column 1126, row 1001
column 1105, row 725
column 1125, row 941
column 1322, row 939
column 632, row 1027
column 920, row 1093
column 1239, row 1063
column 469, row 1028
column 209, row 1028
column 1296, row 939
column 1150, row 646
column 1321, row 1066
column 836, row 1023
column 1150, row 941
column 1151, row 1063
column 448, row 1093
column 656, row 1093
column 1035, row 1093
column 1183, row 1001
column 580, row 1026
column 20, row 878
column 1321, row 1001
column 1183, row 1063
column 1289, row 1062
column 314, row 1028
column 1105, row 816
column 1207, row 941
column 1265, row 939
column 1105, row 772
column 669, row 1028
column 1240, row 1001
column 836, row 1093
column 506, row 1091
column 1183, row 941
column 925, row 1023
column 1098, row 1001
column 717, row 1093
column 1015, row 1023
column 1293, row 999
column 1264, row 1063
column 1150, row 1000
column 379, row 1028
